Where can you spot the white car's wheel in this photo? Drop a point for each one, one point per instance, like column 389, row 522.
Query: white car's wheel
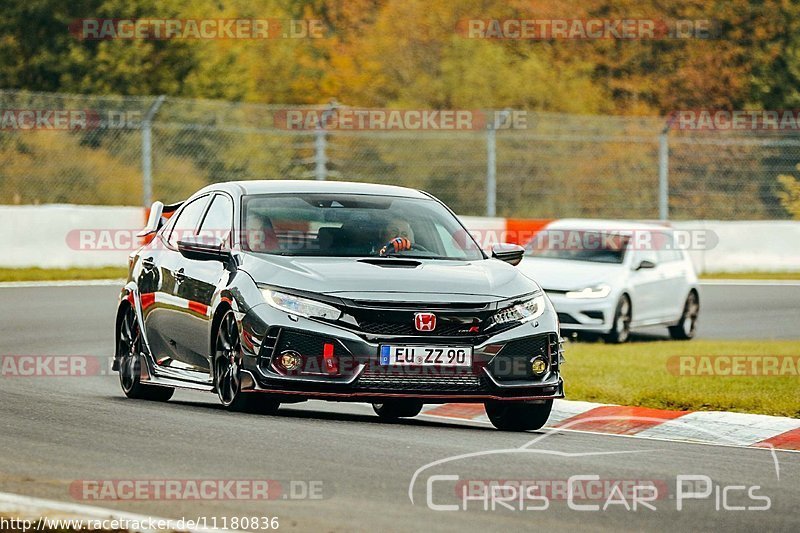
column 621, row 330
column 686, row 328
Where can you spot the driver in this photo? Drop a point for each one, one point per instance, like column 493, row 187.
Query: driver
column 398, row 236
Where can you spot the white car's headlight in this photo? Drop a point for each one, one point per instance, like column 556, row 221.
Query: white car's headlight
column 521, row 312
column 296, row 305
column 600, row 291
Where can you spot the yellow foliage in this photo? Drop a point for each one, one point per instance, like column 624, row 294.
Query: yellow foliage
column 790, row 195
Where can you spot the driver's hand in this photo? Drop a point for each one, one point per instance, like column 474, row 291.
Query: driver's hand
column 398, row 244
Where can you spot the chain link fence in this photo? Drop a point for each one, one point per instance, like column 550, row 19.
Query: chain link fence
column 57, row 148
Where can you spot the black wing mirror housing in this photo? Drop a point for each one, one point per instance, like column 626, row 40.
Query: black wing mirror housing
column 204, row 248
column 510, row 253
column 645, row 264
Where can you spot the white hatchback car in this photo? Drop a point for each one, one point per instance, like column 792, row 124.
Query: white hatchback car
column 609, row 277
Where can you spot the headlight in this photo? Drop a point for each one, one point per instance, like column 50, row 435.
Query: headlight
column 601, row 291
column 521, row 312
column 296, row 305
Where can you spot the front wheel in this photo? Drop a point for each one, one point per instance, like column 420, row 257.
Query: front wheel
column 128, row 351
column 394, row 409
column 518, row 416
column 686, row 328
column 621, row 329
column 227, row 378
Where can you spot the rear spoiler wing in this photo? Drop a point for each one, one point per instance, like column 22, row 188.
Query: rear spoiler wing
column 156, row 219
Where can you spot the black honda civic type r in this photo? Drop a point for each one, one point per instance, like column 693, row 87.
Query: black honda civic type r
column 270, row 292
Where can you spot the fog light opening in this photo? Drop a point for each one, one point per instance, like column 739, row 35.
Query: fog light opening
column 290, row 361
column 538, row 365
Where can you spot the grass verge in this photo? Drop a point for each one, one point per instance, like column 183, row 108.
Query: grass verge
column 638, row 374
column 61, row 274
column 752, row 275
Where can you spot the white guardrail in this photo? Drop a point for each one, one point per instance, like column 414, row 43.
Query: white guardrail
column 62, row 236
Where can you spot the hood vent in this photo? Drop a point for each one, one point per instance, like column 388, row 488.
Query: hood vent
column 391, row 263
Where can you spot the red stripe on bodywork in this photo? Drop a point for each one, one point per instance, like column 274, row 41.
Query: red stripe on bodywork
column 625, row 421
column 785, row 441
column 148, row 299
column 466, row 411
column 197, row 307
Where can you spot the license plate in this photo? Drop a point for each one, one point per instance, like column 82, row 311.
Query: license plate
column 392, row 355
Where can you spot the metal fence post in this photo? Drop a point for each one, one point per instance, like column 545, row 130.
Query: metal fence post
column 320, row 158
column 663, row 172
column 147, row 151
column 320, row 143
column 496, row 120
column 491, row 170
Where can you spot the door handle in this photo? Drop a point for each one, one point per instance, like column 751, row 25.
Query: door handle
column 148, row 263
column 180, row 275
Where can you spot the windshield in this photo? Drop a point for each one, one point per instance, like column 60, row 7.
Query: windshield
column 579, row 245
column 353, row 225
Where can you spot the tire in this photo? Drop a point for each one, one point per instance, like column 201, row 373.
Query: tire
column 686, row 328
column 394, row 409
column 621, row 330
column 518, row 416
column 227, row 365
column 129, row 347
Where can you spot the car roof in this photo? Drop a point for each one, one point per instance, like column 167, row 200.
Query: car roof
column 313, row 186
column 589, row 224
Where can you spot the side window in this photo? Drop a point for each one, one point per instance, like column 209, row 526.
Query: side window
column 187, row 220
column 666, row 248
column 218, row 219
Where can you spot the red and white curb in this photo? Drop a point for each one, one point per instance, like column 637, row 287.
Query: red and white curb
column 707, row 427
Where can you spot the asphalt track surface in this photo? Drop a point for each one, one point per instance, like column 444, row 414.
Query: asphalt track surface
column 59, row 431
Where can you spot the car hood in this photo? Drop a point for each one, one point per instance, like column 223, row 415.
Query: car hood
column 350, row 277
column 565, row 275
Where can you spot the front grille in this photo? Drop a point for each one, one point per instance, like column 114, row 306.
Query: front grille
column 398, row 328
column 421, row 379
column 455, row 319
column 400, row 383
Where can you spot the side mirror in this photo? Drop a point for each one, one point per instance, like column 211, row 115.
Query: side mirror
column 154, row 221
column 510, row 253
column 645, row 264
column 204, row 249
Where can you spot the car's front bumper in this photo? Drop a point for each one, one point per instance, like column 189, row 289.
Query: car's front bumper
column 364, row 379
column 584, row 314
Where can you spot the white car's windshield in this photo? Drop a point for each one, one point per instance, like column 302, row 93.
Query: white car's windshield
column 353, row 225
column 579, row 245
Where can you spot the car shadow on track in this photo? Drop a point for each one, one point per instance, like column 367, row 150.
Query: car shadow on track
column 322, row 415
